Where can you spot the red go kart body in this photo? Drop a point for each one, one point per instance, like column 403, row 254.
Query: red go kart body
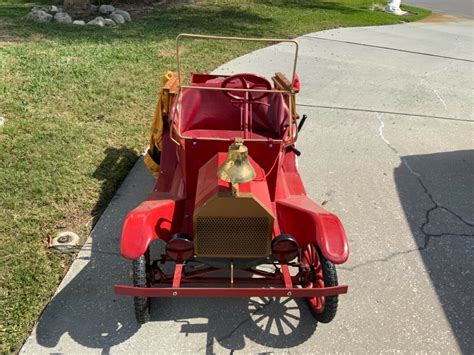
column 232, row 228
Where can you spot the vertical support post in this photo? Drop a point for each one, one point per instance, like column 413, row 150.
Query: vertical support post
column 286, row 276
column 178, row 272
column 246, row 113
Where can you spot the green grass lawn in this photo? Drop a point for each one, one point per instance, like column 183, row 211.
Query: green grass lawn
column 78, row 101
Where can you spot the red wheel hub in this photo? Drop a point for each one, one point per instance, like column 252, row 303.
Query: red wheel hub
column 313, row 277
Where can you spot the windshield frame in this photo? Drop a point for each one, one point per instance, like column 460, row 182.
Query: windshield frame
column 290, row 135
column 182, row 36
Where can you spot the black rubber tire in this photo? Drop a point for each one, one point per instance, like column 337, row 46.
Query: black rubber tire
column 141, row 304
column 330, row 279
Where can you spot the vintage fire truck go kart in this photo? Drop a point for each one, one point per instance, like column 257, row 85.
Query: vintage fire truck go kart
column 229, row 199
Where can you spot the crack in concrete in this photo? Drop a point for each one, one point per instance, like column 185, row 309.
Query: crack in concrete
column 386, row 259
column 440, row 98
column 436, row 206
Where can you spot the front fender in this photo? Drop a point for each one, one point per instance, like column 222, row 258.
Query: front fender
column 310, row 223
column 152, row 219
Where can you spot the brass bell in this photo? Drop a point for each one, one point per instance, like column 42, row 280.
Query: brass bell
column 237, row 168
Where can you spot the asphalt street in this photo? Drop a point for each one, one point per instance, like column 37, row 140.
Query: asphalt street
column 389, row 147
column 463, row 8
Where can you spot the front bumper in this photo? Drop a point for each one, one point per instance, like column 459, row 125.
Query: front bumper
column 230, row 292
column 283, row 287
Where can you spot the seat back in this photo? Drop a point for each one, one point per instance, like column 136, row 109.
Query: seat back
column 214, row 111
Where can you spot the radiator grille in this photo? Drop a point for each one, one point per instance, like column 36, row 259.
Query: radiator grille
column 227, row 237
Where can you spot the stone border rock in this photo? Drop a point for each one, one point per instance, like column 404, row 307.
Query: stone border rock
column 103, row 15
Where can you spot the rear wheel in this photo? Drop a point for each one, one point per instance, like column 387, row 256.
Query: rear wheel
column 322, row 273
column 142, row 304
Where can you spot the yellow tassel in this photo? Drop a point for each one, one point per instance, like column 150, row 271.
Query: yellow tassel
column 156, row 130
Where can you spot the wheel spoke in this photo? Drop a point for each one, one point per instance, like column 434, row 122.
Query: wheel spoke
column 260, row 318
column 279, row 326
column 269, row 325
column 286, row 301
column 290, row 315
column 288, row 323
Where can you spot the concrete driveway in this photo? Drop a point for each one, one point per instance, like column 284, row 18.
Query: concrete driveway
column 389, row 146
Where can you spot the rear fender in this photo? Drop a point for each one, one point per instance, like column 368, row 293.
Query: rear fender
column 152, row 219
column 309, row 223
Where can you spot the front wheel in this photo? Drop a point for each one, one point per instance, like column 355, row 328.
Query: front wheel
column 142, row 304
column 322, row 273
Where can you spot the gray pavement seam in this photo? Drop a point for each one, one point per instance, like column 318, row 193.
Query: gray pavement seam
column 386, row 112
column 390, row 48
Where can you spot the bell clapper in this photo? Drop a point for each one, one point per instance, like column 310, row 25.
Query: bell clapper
column 234, row 189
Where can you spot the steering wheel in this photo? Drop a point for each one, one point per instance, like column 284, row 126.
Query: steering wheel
column 246, row 81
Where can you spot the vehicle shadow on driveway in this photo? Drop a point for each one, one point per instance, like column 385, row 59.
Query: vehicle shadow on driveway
column 93, row 317
column 84, row 306
column 272, row 322
column 437, row 195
